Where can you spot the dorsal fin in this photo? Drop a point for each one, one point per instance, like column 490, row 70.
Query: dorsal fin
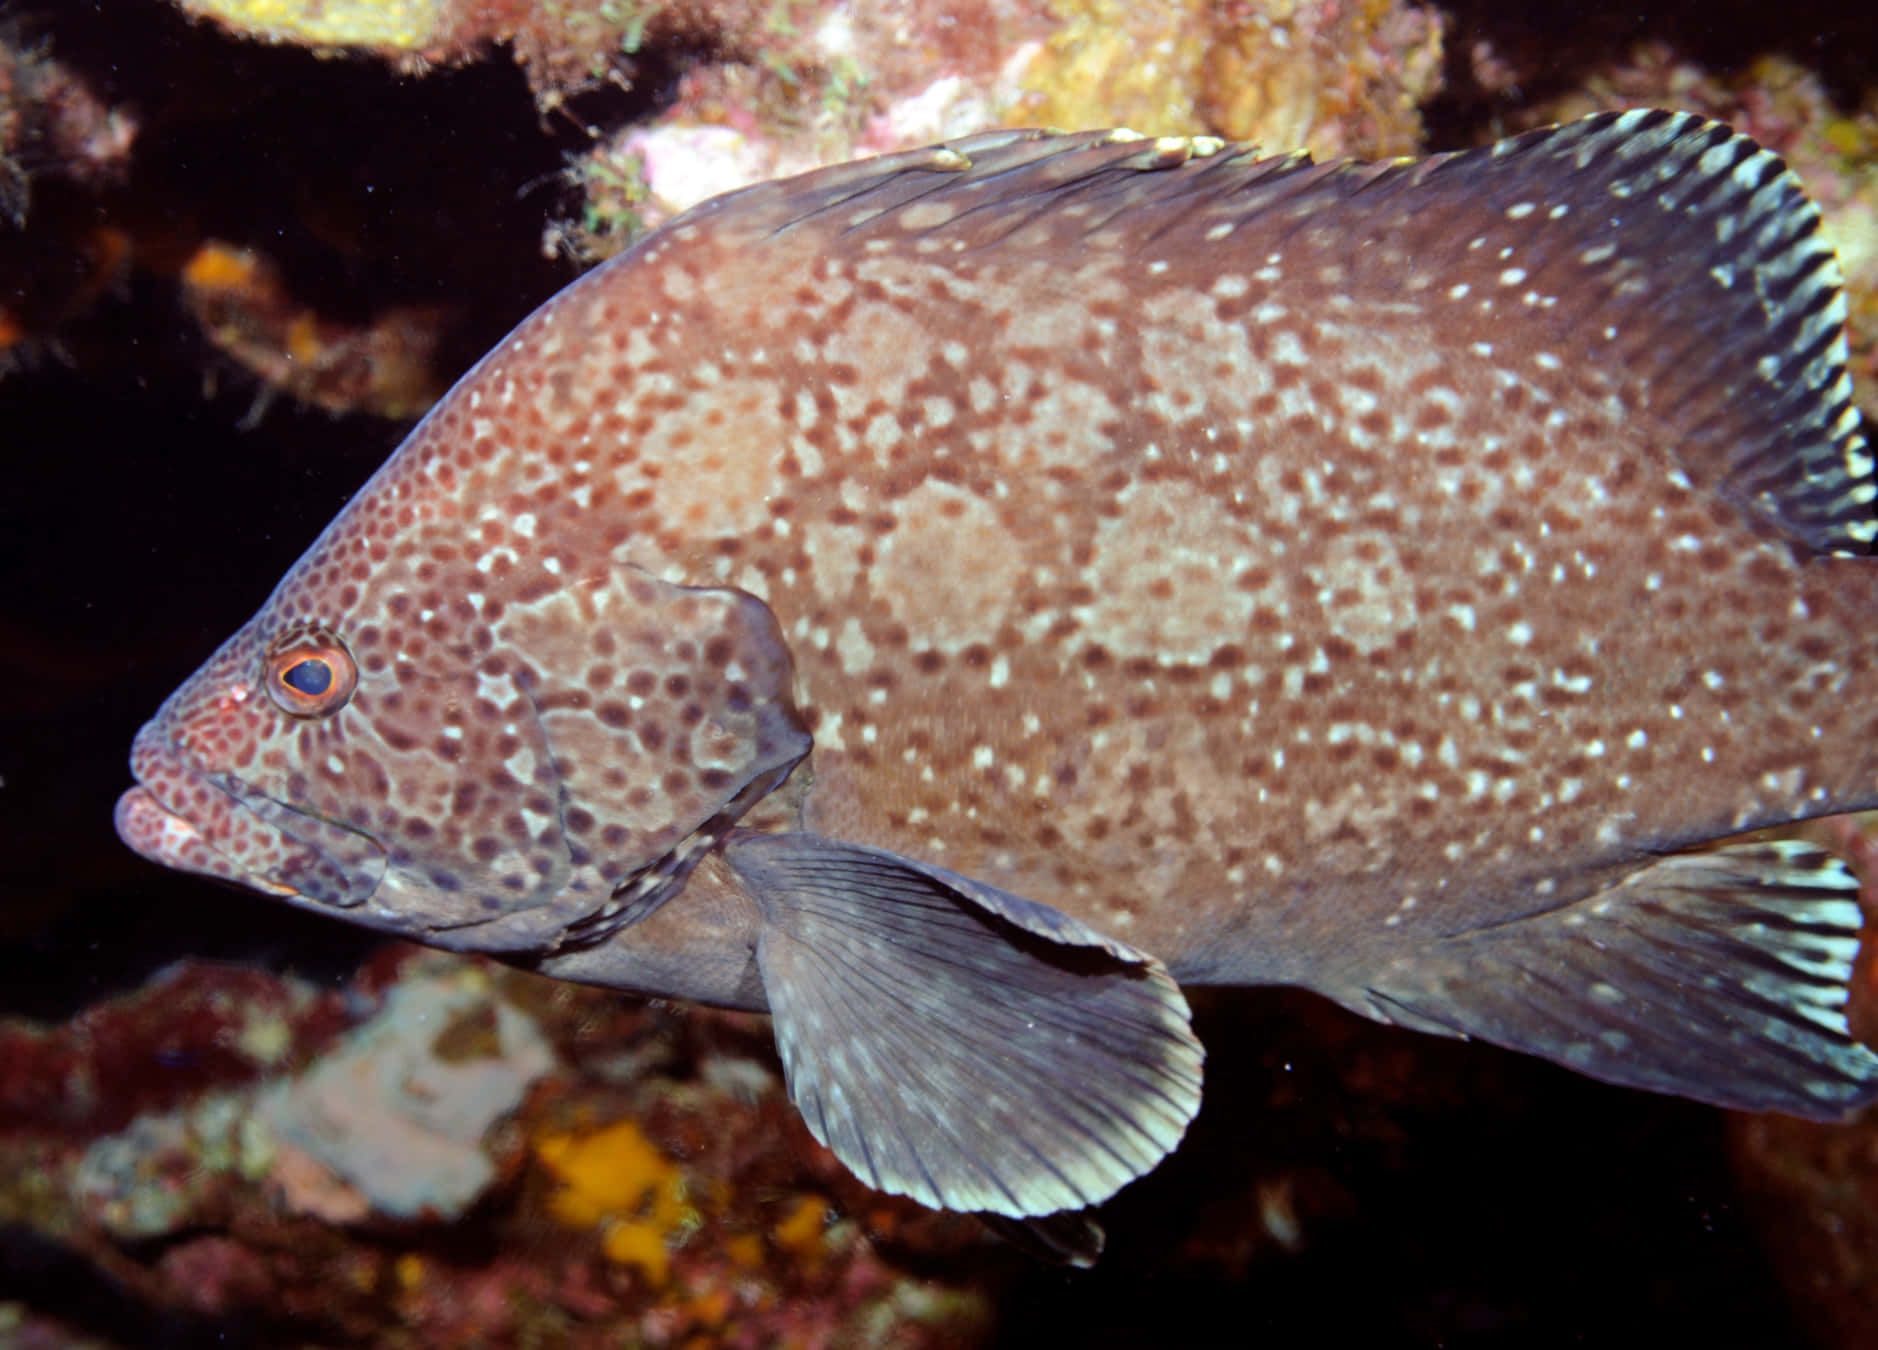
column 983, row 190
column 1670, row 252
column 1708, row 245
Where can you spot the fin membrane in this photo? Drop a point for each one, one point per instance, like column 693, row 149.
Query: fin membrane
column 957, row 1044
column 1719, row 976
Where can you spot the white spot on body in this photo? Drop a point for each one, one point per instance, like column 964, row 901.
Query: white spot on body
column 853, row 648
column 499, row 690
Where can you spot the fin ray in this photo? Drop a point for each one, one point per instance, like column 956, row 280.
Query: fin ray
column 960, row 1045
column 1718, row 975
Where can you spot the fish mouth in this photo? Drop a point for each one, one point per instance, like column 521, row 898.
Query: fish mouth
column 212, row 824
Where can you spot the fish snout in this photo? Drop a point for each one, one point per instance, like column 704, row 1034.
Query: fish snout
column 184, row 817
column 162, row 836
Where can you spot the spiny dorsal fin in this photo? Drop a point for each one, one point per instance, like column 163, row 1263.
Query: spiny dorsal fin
column 1662, row 253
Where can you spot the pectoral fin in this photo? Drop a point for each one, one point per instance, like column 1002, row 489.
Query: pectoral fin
column 1719, row 975
column 957, row 1044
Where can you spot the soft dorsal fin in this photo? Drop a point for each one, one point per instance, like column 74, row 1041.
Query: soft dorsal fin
column 1705, row 246
column 1663, row 253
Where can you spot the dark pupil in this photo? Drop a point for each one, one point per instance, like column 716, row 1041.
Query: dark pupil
column 311, row 677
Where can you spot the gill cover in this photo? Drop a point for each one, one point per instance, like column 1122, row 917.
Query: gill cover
column 573, row 745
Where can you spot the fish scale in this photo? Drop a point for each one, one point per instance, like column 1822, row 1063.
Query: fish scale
column 948, row 600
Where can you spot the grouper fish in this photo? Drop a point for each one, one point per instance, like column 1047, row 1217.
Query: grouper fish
column 950, row 601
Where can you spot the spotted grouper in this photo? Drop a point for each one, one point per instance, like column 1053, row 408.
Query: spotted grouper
column 951, row 600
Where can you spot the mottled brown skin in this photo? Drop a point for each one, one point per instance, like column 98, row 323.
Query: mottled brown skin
column 1275, row 591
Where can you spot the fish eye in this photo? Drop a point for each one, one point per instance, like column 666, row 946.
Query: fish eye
column 310, row 673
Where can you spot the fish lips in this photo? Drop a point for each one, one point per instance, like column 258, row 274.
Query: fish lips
column 213, row 824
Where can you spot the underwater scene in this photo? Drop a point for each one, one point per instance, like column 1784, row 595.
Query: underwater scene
column 814, row 673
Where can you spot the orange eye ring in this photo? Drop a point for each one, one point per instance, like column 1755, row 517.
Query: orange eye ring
column 310, row 673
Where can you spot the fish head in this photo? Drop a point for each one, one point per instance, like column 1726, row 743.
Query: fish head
column 444, row 726
column 213, row 795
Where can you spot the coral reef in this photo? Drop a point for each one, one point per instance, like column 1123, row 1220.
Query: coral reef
column 384, row 366
column 170, row 1168
column 828, row 82
column 1335, row 79
column 53, row 129
column 52, row 123
column 653, row 1183
column 382, row 26
column 194, row 1028
column 389, row 1121
column 768, row 89
column 655, row 1188
column 1332, row 78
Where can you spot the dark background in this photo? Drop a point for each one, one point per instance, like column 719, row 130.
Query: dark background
column 144, row 513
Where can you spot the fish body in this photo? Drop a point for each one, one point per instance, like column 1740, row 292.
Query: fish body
column 950, row 600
